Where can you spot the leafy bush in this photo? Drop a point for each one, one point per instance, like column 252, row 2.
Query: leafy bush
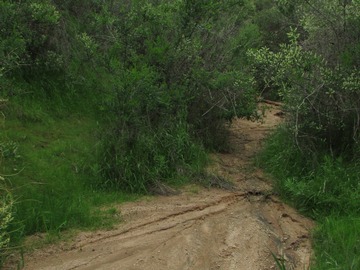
column 171, row 92
column 321, row 102
column 149, row 138
column 26, row 36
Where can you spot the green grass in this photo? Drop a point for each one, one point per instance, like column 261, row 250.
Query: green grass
column 324, row 188
column 50, row 166
column 337, row 243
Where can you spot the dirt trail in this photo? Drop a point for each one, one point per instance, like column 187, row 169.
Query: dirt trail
column 200, row 228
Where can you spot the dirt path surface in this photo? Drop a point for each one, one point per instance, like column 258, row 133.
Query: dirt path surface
column 200, row 228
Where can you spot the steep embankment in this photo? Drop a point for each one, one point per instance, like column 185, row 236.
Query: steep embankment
column 198, row 229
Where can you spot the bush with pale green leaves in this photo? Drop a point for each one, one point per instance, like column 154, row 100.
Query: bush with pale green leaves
column 321, row 101
column 6, row 216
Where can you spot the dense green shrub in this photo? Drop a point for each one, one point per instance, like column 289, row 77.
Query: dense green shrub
column 321, row 101
column 27, row 36
column 173, row 89
column 316, row 77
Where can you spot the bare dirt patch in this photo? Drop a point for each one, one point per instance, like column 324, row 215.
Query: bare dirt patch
column 199, row 228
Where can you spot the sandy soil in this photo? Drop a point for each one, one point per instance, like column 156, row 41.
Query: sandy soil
column 200, row 228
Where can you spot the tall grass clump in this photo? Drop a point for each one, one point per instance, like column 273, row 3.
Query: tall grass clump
column 321, row 187
column 45, row 164
column 337, row 243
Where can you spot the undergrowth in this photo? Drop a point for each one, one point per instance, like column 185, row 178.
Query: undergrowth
column 324, row 188
column 48, row 165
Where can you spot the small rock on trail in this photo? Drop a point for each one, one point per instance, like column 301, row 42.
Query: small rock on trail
column 199, row 229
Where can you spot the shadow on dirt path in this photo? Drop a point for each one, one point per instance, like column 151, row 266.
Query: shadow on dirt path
column 200, row 228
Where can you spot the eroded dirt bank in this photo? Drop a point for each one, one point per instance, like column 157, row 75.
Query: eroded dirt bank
column 200, row 228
